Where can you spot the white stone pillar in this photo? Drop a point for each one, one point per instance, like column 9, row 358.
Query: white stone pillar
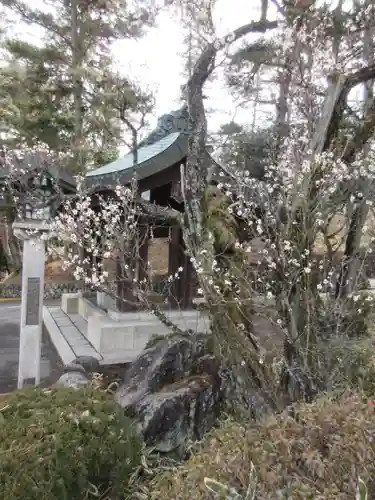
column 100, row 299
column 33, row 262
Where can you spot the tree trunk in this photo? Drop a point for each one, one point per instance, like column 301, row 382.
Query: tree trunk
column 298, row 376
column 77, row 86
column 352, row 259
column 196, row 233
column 282, row 125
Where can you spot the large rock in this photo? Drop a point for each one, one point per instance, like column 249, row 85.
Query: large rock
column 168, row 361
column 73, row 380
column 179, row 413
column 85, row 364
column 173, row 391
column 76, row 374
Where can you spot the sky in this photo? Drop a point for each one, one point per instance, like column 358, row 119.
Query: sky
column 159, row 62
column 155, row 61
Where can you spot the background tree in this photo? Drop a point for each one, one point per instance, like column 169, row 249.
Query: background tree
column 312, row 152
column 316, row 152
column 58, row 94
column 248, row 150
column 62, row 102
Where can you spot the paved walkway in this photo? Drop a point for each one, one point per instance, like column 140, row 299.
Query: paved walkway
column 67, row 332
column 51, row 366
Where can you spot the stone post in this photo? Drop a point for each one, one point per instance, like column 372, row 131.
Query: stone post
column 33, row 262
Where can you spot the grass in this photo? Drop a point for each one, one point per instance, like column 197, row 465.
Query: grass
column 311, row 451
column 317, row 455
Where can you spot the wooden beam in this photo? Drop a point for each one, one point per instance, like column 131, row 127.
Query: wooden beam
column 160, row 231
column 166, row 176
column 160, row 194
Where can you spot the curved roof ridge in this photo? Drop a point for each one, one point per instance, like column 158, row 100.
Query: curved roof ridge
column 152, row 158
column 163, row 147
column 174, row 121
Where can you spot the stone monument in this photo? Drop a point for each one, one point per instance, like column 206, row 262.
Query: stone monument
column 37, row 184
column 33, row 234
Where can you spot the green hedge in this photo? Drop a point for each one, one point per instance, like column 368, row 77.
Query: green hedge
column 63, row 444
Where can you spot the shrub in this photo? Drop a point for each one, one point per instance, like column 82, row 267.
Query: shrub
column 316, row 455
column 61, row 444
column 349, row 364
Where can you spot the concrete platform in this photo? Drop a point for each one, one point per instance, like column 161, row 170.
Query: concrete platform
column 124, row 341
column 81, row 328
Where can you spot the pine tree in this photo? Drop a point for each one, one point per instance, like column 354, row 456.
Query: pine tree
column 57, row 95
column 245, row 150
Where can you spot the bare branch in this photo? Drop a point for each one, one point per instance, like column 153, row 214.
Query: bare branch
column 196, row 170
column 279, row 8
column 158, row 212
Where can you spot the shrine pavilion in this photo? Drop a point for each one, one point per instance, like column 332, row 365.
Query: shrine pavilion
column 158, row 171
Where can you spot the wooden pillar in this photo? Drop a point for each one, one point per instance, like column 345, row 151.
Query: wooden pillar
column 98, row 260
column 87, row 257
column 173, row 265
column 181, row 295
column 126, row 301
column 138, row 262
column 143, row 252
column 186, row 281
column 119, row 286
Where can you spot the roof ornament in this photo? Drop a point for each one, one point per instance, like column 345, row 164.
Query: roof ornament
column 175, row 121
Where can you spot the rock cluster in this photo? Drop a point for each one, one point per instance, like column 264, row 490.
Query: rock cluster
column 173, row 391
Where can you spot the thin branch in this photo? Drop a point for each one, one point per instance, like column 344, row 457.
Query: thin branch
column 279, row 8
column 22, row 10
column 264, row 10
column 196, row 171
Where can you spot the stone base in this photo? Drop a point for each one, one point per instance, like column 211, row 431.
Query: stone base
column 70, row 302
column 105, row 301
column 132, row 332
column 123, row 336
column 86, row 308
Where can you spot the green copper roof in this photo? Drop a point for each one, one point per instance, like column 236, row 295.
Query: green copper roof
column 152, row 158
